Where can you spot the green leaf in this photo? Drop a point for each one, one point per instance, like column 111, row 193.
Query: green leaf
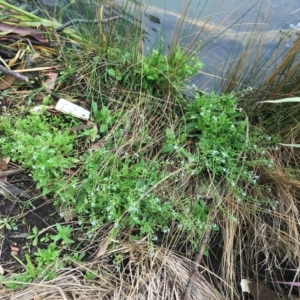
column 94, row 107
column 146, row 68
column 103, row 128
column 35, row 230
column 168, row 148
column 105, row 112
column 111, row 72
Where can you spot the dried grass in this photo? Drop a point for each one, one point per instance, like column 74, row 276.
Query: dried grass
column 161, row 276
column 263, row 245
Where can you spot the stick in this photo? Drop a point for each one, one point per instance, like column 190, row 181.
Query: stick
column 8, row 72
column 199, row 256
column 78, row 128
column 4, row 174
column 70, row 23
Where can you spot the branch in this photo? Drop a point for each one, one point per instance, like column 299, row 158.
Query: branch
column 7, row 173
column 8, row 72
column 196, row 264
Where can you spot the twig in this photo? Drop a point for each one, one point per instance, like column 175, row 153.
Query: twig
column 78, row 128
column 8, row 72
column 4, row 174
column 70, row 23
column 190, row 285
column 12, row 190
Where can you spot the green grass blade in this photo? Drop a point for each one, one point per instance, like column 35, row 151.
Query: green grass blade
column 285, row 100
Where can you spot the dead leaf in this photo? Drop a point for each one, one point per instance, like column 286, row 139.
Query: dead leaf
column 1, row 270
column 95, row 146
column 103, row 246
column 50, row 81
column 68, row 217
column 69, row 172
column 24, row 31
column 46, row 50
column 15, row 59
column 7, row 80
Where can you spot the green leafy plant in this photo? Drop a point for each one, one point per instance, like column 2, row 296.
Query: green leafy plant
column 39, row 145
column 7, row 223
column 102, row 117
column 160, row 73
column 34, row 236
column 219, row 128
column 63, row 233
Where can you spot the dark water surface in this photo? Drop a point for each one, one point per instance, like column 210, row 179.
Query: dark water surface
column 223, row 27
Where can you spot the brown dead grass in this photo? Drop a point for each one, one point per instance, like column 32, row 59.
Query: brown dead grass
column 263, row 245
column 161, row 276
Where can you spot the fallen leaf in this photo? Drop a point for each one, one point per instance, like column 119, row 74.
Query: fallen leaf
column 50, row 81
column 24, row 31
column 103, row 246
column 7, row 80
column 96, row 145
column 69, row 172
column 1, row 270
column 15, row 59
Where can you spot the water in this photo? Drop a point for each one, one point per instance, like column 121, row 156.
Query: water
column 224, row 28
